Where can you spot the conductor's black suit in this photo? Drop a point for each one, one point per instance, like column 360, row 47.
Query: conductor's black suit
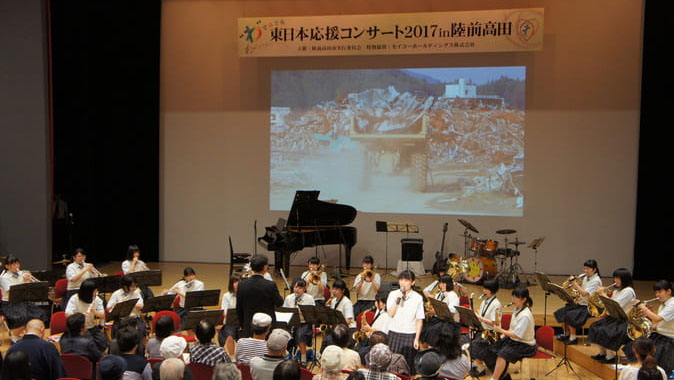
column 256, row 295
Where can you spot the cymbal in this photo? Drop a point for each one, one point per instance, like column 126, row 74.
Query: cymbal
column 64, row 261
column 506, row 231
column 517, row 242
column 468, row 225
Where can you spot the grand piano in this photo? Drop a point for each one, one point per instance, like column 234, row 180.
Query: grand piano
column 310, row 223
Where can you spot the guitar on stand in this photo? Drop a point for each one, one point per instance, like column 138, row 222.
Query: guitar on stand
column 440, row 259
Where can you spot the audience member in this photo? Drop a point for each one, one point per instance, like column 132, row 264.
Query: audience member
column 172, row 347
column 171, row 369
column 380, row 358
column 137, row 366
column 646, row 365
column 75, row 342
column 262, row 367
column 111, row 367
column 134, row 323
column 356, row 375
column 247, row 348
column 331, row 364
column 456, row 364
column 287, row 370
column 207, row 352
column 45, row 361
column 16, row 367
column 227, row 371
column 398, row 363
column 341, row 336
column 427, row 364
column 163, row 329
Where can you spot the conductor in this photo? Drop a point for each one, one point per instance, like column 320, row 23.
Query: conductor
column 256, row 295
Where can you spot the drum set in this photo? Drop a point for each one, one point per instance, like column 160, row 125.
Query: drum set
column 485, row 260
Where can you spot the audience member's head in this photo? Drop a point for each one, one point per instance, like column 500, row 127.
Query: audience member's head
column 378, row 337
column 127, row 339
column 356, row 375
column 341, row 335
column 164, row 327
column 380, row 357
column 286, row 370
column 331, row 359
column 428, row 363
column 75, row 324
column 16, row 366
column 226, row 371
column 171, row 369
column 205, row 331
column 260, row 324
column 644, row 350
column 172, row 347
column 111, row 367
column 447, row 341
column 35, row 327
column 278, row 341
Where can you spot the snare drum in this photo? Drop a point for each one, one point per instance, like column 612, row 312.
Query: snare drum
column 491, row 246
column 480, row 268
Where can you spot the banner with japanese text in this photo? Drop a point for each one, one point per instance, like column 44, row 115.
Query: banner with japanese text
column 503, row 30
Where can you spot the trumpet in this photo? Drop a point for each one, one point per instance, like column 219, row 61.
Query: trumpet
column 95, row 271
column 638, row 323
column 594, row 304
column 32, row 278
column 367, row 273
column 141, row 267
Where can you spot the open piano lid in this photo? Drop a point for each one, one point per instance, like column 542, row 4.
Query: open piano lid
column 308, row 211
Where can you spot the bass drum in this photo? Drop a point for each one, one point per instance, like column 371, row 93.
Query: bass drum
column 480, row 268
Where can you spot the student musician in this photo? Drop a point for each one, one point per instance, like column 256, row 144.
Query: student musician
column 367, row 285
column 128, row 291
column 480, row 348
column 519, row 341
column 433, row 324
column 303, row 334
column 77, row 272
column 87, row 302
column 133, row 263
column 316, row 280
column 406, row 309
column 663, row 320
column 189, row 283
column 610, row 333
column 381, row 318
column 575, row 316
column 341, row 302
column 17, row 314
column 229, row 334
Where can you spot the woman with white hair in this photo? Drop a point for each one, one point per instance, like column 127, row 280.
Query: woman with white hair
column 380, row 357
column 226, row 371
column 171, row 369
column 331, row 364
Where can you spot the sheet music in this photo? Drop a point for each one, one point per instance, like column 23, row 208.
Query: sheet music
column 283, row 317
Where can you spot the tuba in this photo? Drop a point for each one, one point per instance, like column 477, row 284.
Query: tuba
column 594, row 304
column 638, row 324
column 568, row 287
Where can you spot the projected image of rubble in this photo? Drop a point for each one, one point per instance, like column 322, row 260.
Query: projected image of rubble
column 428, row 141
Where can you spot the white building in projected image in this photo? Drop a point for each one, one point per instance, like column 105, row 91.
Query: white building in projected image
column 461, row 90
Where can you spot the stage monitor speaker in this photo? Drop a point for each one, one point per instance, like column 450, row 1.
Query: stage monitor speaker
column 412, row 249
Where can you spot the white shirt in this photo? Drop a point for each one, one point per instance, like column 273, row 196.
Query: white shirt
column 73, row 270
column 184, row 287
column 589, row 284
column 7, row 280
column 140, row 266
column 228, row 301
column 367, row 290
column 666, row 311
column 488, row 310
column 382, row 321
column 522, row 325
column 345, row 306
column 632, row 372
column 313, row 289
column 77, row 306
column 429, row 288
column 409, row 311
column 624, row 297
column 305, row 299
column 452, row 300
column 119, row 296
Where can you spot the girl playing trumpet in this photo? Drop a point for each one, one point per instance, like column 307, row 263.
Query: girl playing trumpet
column 189, row 283
column 133, row 263
column 17, row 314
column 367, row 285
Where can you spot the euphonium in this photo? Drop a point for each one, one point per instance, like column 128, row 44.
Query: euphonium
column 360, row 335
column 570, row 289
column 594, row 304
column 638, row 324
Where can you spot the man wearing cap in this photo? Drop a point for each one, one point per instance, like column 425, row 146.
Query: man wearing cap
column 172, row 347
column 262, row 367
column 207, row 352
column 380, row 358
column 256, row 295
column 427, row 364
column 45, row 362
column 247, row 348
column 111, row 367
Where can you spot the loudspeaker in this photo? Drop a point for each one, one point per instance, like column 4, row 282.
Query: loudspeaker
column 387, row 287
column 412, row 249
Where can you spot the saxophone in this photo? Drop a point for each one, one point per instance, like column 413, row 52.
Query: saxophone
column 568, row 286
column 360, row 335
column 594, row 304
column 638, row 324
column 491, row 336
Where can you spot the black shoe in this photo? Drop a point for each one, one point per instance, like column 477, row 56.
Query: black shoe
column 571, row 342
column 474, row 372
column 562, row 338
column 607, row 361
column 598, row 357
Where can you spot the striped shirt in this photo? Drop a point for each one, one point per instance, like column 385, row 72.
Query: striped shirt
column 209, row 354
column 248, row 348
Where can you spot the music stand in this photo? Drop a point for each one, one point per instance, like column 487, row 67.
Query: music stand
column 200, row 298
column 107, row 284
column 147, row 277
column 381, row 226
column 561, row 293
column 469, row 319
column 441, row 309
column 616, row 311
column 283, row 319
column 159, row 303
column 195, row 316
column 121, row 310
column 544, row 283
column 232, row 318
column 534, row 245
column 30, row 291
